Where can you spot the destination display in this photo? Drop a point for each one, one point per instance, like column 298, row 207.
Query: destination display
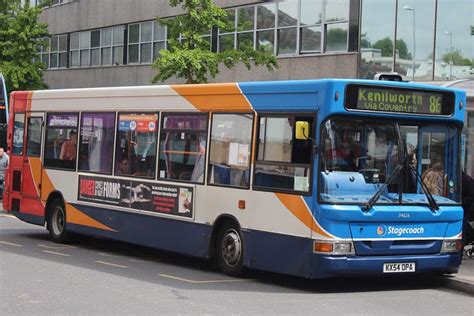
column 138, row 195
column 398, row 100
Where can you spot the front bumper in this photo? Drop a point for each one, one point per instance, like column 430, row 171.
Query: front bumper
column 323, row 266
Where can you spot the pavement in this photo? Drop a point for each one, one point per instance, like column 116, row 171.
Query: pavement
column 462, row 281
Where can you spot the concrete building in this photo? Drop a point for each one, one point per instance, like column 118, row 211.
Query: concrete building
column 97, row 43
column 113, row 42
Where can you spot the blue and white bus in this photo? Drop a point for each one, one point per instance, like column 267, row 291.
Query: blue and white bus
column 315, row 178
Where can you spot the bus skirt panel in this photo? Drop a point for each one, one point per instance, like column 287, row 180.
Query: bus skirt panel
column 147, row 230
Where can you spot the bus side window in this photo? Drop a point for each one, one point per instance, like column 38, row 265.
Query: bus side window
column 183, row 144
column 283, row 162
column 96, row 142
column 33, row 136
column 135, row 151
column 229, row 160
column 60, row 148
column 18, row 133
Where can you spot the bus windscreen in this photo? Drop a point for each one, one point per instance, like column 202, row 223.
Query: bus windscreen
column 399, row 100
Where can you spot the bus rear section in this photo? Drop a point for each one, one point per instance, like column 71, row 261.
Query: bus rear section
column 389, row 189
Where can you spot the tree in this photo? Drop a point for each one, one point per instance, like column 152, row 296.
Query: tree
column 20, row 34
column 386, row 46
column 403, row 50
column 191, row 58
column 456, row 57
column 365, row 41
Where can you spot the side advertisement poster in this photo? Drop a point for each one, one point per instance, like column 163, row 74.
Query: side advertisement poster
column 138, row 195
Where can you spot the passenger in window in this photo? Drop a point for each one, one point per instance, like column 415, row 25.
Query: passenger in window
column 198, row 171
column 434, row 178
column 124, row 167
column 68, row 148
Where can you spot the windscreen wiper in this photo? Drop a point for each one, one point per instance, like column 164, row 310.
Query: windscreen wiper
column 431, row 200
column 379, row 192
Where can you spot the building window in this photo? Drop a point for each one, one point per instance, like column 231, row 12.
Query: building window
column 96, row 142
column 289, row 27
column 135, row 151
column 54, row 53
column 44, row 51
column 183, row 144
column 111, row 45
column 81, row 48
column 58, row 51
column 227, row 38
column 97, row 47
column 60, row 149
column 266, row 27
column 229, row 158
column 283, row 162
column 145, row 40
column 416, row 34
column 43, row 2
column 159, row 39
column 84, row 46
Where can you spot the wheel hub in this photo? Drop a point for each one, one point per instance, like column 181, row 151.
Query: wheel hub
column 58, row 220
column 231, row 247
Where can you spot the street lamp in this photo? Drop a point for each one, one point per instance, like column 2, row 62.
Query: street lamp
column 408, row 8
column 450, row 34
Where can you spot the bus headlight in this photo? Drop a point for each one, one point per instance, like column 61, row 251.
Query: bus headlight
column 333, row 247
column 451, row 245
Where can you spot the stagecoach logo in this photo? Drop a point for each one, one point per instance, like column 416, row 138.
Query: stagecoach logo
column 381, row 230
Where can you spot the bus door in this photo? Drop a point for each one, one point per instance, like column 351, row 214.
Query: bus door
column 437, row 151
column 15, row 169
column 32, row 167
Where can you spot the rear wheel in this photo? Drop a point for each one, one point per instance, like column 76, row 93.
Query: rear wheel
column 230, row 250
column 57, row 221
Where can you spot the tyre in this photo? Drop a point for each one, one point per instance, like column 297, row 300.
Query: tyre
column 230, row 250
column 57, row 221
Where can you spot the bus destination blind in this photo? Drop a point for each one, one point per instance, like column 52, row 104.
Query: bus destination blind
column 397, row 100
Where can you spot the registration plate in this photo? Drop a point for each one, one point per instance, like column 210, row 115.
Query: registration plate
column 399, row 267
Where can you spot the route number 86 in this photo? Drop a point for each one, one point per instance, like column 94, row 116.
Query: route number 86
column 435, row 104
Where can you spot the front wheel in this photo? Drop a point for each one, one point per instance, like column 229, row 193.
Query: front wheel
column 57, row 221
column 230, row 250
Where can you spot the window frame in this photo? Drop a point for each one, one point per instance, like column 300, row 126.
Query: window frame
column 45, row 165
column 117, row 118
column 251, row 144
column 163, row 130
column 79, row 139
column 140, row 42
column 314, row 116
